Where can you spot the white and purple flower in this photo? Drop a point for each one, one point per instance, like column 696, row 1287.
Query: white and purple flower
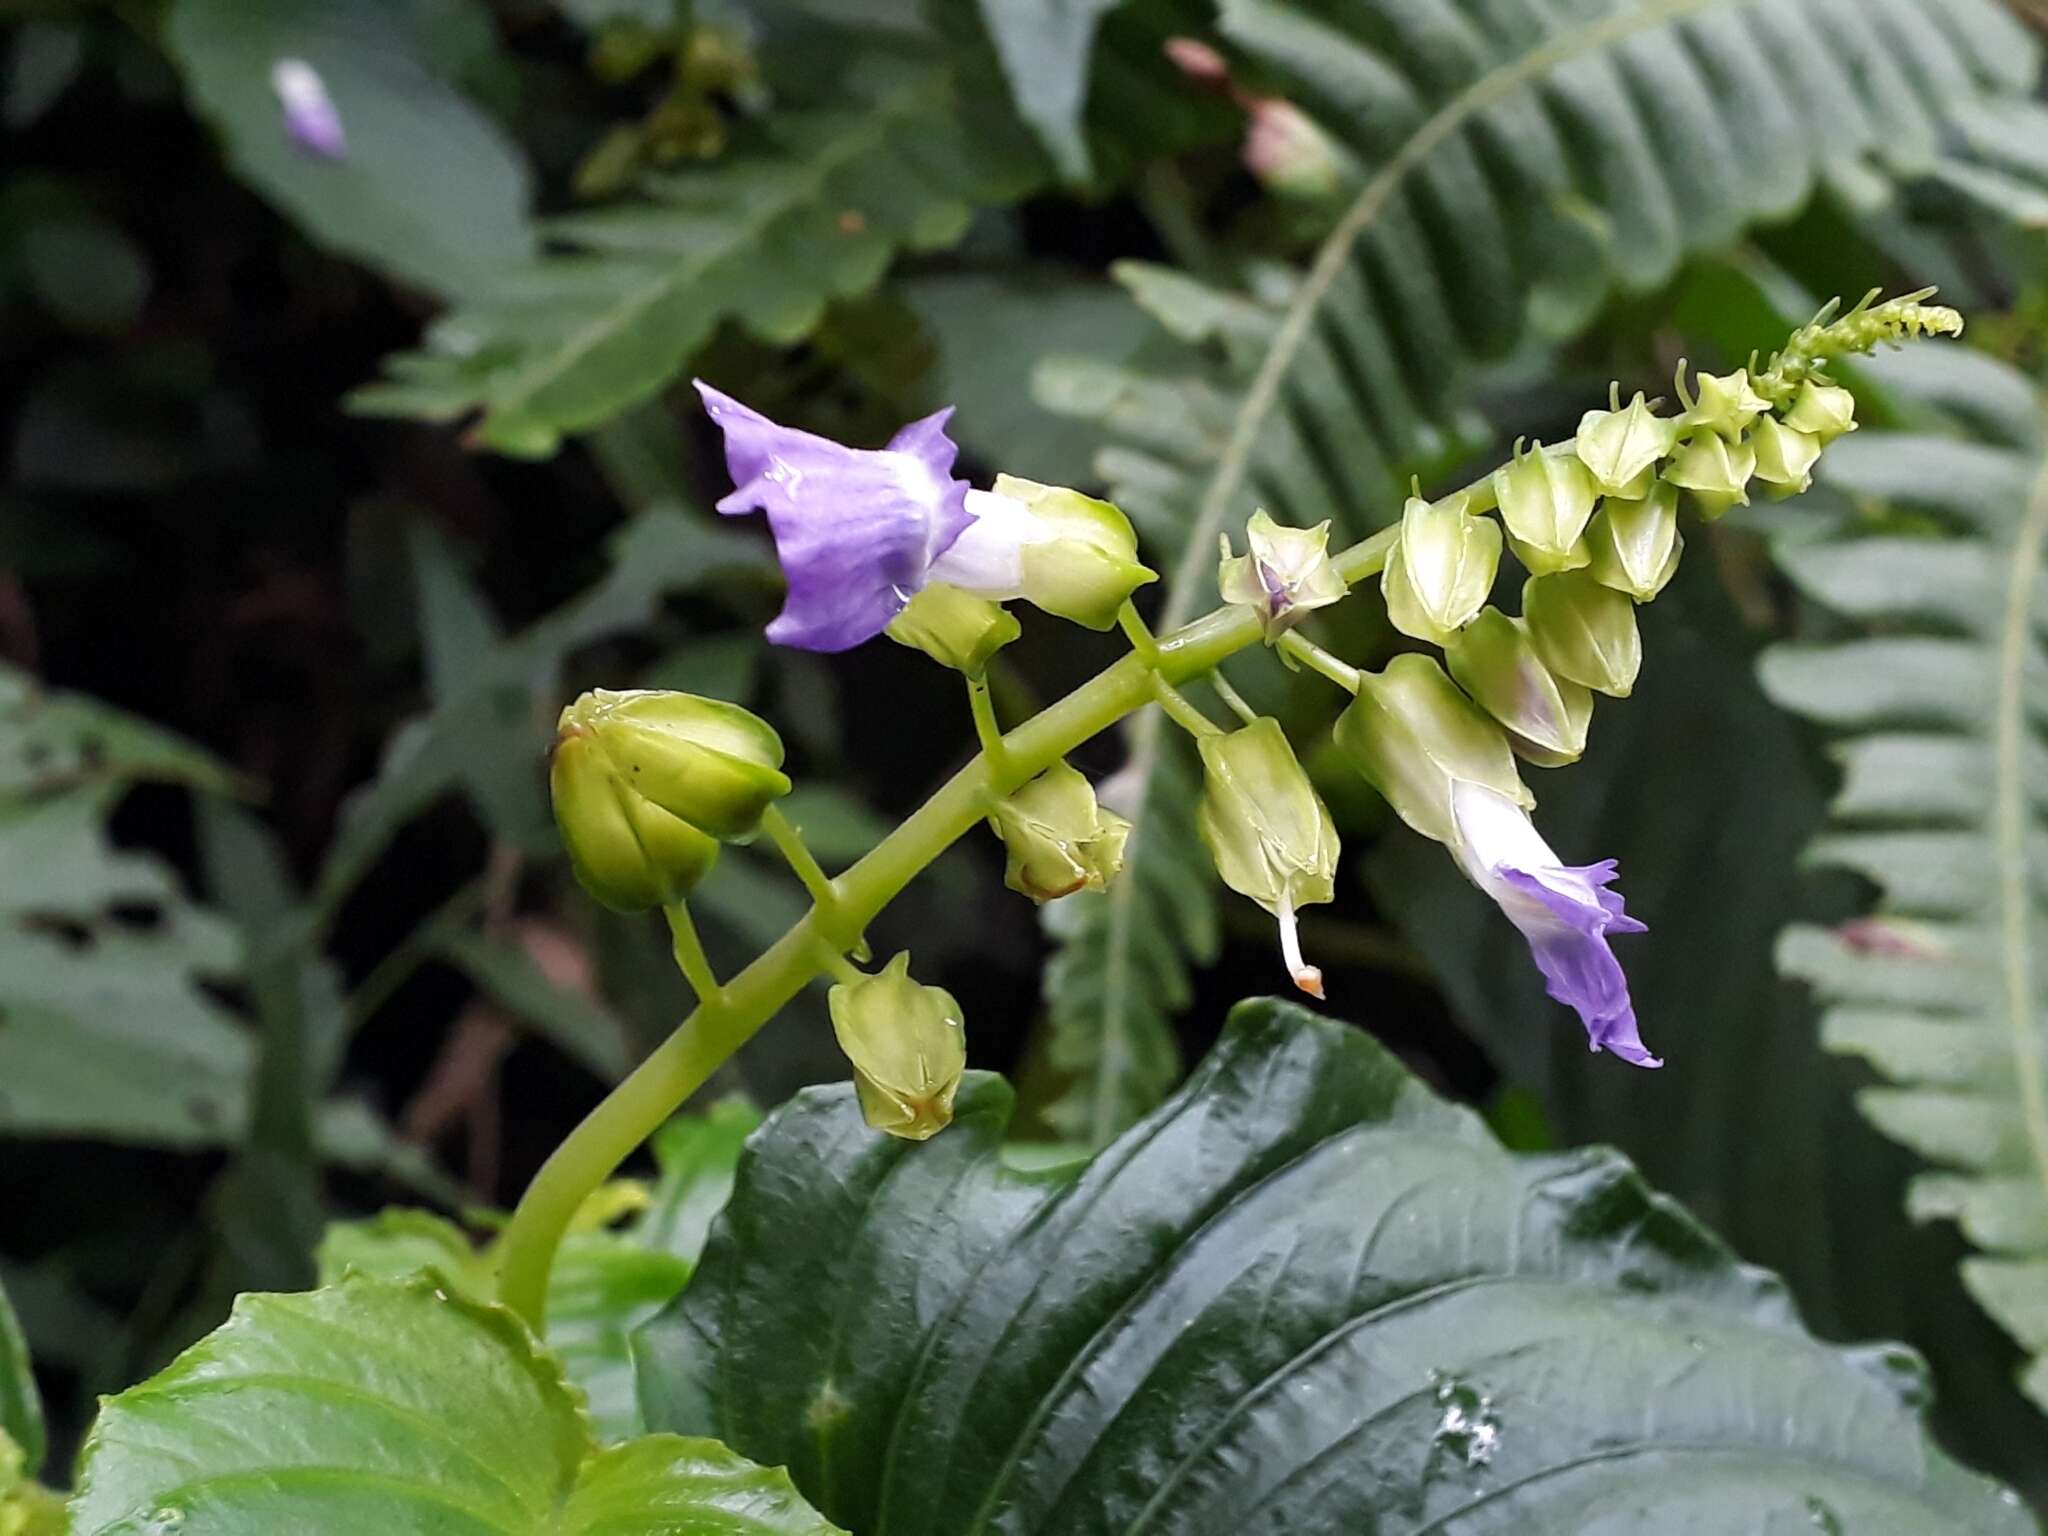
column 860, row 531
column 310, row 116
column 1565, row 912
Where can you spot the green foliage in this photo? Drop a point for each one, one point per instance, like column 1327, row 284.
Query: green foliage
column 1044, row 46
column 607, row 1280
column 21, row 1408
column 1524, row 162
column 431, row 191
column 108, row 1028
column 1305, row 1294
column 374, row 1406
column 1931, row 681
column 811, row 206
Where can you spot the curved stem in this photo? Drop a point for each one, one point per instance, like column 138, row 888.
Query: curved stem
column 653, row 1091
column 690, row 957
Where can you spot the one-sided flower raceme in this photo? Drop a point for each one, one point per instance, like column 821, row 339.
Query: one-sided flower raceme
column 860, row 532
column 310, row 116
column 1284, row 575
column 1566, row 912
column 1059, row 840
column 1269, row 832
column 908, row 1048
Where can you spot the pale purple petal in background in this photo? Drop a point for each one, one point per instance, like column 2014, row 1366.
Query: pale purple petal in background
column 310, row 116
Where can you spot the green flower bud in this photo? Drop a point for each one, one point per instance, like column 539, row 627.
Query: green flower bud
column 1083, row 562
column 709, row 763
column 1546, row 716
column 1785, row 456
column 1269, row 831
column 1636, row 544
column 1414, row 736
column 1059, row 840
column 1825, row 410
column 1715, row 471
column 627, row 852
column 1585, row 632
column 1285, row 574
column 1438, row 577
column 1546, row 500
column 1725, row 404
column 1622, row 448
column 956, row 629
column 907, row 1046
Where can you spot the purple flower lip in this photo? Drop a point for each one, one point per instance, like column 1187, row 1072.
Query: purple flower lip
column 856, row 529
column 310, row 116
column 1566, row 912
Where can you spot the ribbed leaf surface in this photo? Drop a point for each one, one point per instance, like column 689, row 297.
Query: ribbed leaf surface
column 1304, row 1295
column 1937, row 694
column 1522, row 161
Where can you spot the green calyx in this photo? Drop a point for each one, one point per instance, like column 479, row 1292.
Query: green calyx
column 1268, row 830
column 1545, row 716
column 1441, row 573
column 1716, row 471
column 1636, row 544
column 1414, row 735
column 646, row 785
column 908, row 1047
column 1785, row 456
column 1084, row 564
column 1284, row 575
column 1622, row 448
column 1725, row 404
column 955, row 628
column 1546, row 499
column 1585, row 632
column 1059, row 840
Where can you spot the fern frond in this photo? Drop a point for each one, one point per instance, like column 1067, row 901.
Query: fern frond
column 1938, row 695
column 1522, row 161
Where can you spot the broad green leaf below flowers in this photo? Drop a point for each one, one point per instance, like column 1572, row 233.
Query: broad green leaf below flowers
column 400, row 1409
column 1303, row 1295
column 1929, row 677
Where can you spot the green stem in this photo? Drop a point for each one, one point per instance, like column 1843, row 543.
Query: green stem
column 1316, row 659
column 987, row 729
column 636, row 1108
column 1181, row 711
column 789, row 842
column 690, row 957
column 1232, row 698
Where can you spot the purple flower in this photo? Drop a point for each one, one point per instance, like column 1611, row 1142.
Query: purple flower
column 856, row 529
column 1565, row 912
column 309, row 112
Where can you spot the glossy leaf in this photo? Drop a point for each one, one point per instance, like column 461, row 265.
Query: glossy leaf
column 1934, row 692
column 1305, row 1294
column 1522, row 162
column 396, row 1408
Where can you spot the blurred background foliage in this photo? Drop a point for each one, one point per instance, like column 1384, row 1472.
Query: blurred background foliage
column 327, row 484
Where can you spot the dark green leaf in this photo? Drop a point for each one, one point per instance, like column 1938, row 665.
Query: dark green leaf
column 21, row 1408
column 430, row 191
column 379, row 1407
column 697, row 1156
column 1304, row 1295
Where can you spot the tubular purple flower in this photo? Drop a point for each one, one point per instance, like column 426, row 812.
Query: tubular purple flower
column 1565, row 912
column 310, row 116
column 856, row 529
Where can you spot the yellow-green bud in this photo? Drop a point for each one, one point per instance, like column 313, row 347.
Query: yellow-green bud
column 956, row 629
column 1785, row 456
column 1715, row 471
column 1622, row 448
column 1059, row 840
column 1546, row 500
column 1439, row 575
column 1585, row 632
column 1284, row 575
column 1825, row 410
column 628, row 853
column 1414, row 735
column 1635, row 544
column 1725, row 404
column 908, row 1048
column 1545, row 715
column 1269, row 831
column 1085, row 562
column 709, row 763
